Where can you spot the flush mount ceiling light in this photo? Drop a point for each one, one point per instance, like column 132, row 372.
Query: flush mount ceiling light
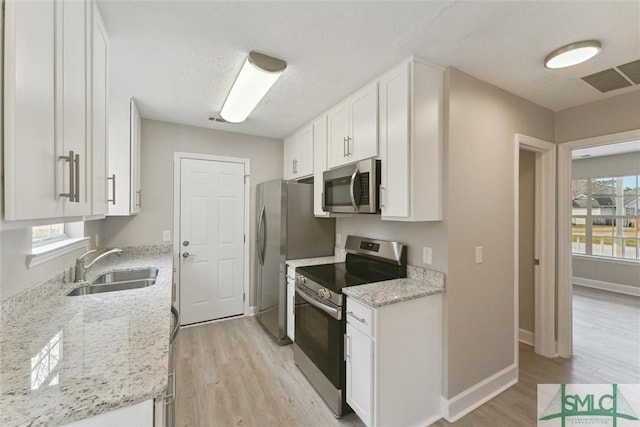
column 572, row 54
column 256, row 77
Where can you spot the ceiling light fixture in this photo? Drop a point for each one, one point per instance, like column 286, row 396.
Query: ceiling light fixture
column 572, row 54
column 256, row 77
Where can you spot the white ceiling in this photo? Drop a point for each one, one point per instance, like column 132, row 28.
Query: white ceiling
column 179, row 58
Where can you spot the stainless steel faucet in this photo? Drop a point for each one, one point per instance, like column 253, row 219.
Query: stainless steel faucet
column 81, row 268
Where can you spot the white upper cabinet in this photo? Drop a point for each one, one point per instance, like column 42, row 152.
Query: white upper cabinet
column 298, row 154
column 411, row 108
column 319, row 164
column 125, row 194
column 100, row 99
column 47, row 141
column 353, row 128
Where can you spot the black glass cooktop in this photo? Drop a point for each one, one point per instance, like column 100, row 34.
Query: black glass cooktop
column 356, row 271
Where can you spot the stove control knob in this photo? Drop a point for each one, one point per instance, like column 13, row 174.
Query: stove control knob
column 300, row 280
column 324, row 293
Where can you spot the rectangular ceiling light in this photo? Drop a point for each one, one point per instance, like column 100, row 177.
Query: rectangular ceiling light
column 256, row 77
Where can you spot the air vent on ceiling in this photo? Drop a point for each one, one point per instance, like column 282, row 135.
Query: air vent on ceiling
column 218, row 119
column 615, row 78
column 632, row 71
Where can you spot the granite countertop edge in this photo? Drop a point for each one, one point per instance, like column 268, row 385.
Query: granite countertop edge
column 89, row 402
column 394, row 291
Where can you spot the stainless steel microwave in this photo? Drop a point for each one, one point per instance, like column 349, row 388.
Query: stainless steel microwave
column 353, row 188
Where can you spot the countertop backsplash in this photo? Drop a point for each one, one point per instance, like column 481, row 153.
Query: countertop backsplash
column 14, row 306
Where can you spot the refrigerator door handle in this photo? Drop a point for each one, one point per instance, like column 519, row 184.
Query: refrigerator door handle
column 264, row 233
column 260, row 236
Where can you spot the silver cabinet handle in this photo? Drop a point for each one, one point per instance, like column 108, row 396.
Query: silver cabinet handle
column 77, row 176
column 347, row 349
column 344, row 147
column 71, row 194
column 383, row 191
column 139, row 193
column 113, row 188
column 359, row 319
column 348, row 146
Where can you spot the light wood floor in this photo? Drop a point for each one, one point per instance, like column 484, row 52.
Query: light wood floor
column 231, row 374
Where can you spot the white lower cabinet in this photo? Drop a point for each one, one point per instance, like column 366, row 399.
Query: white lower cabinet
column 393, row 358
column 139, row 415
column 291, row 302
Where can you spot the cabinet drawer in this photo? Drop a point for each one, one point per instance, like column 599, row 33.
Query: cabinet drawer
column 360, row 317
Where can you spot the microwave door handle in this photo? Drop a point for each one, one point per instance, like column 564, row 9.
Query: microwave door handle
column 351, row 192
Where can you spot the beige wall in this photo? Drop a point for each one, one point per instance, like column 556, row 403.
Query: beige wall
column 479, row 301
column 159, row 142
column 617, row 114
column 526, row 252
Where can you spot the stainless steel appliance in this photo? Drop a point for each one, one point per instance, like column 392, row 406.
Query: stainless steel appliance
column 320, row 311
column 285, row 229
column 352, row 189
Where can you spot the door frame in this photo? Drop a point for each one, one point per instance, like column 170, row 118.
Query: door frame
column 177, row 157
column 544, row 242
column 565, row 269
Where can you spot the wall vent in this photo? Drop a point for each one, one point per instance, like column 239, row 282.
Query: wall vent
column 615, row 78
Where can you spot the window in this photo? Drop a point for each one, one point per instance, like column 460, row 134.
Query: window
column 606, row 217
column 44, row 234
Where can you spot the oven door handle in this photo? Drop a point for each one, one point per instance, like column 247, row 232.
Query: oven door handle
column 336, row 313
column 351, row 190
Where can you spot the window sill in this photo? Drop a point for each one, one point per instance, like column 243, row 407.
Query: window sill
column 46, row 253
column 606, row 259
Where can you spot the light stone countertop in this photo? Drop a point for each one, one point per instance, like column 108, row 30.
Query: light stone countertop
column 78, row 356
column 394, row 291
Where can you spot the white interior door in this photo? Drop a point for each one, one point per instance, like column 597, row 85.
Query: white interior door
column 211, row 239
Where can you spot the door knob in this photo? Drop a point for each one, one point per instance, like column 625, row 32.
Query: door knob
column 187, row 254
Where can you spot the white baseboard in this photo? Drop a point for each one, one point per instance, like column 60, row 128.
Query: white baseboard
column 252, row 311
column 475, row 396
column 607, row 286
column 526, row 337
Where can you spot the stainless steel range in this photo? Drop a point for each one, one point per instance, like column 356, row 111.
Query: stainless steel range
column 320, row 311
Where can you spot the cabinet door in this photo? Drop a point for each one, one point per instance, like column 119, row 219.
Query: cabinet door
column 359, row 351
column 290, row 147
column 304, row 150
column 338, row 131
column 99, row 115
column 74, row 136
column 363, row 142
column 32, row 171
column 319, row 164
column 136, row 188
column 394, row 143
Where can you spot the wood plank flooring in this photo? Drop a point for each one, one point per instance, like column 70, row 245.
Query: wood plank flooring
column 230, row 373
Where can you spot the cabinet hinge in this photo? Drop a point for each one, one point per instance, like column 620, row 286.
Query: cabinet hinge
column 244, row 238
column 244, row 297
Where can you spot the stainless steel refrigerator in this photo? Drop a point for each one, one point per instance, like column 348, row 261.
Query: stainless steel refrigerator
column 285, row 229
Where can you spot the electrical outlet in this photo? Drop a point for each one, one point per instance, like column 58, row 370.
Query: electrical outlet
column 427, row 255
column 338, row 239
column 166, row 236
column 478, row 254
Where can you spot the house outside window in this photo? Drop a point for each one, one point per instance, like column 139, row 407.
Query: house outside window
column 605, row 217
column 46, row 234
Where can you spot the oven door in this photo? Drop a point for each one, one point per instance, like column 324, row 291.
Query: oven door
column 320, row 334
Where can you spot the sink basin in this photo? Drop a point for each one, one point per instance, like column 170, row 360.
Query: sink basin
column 111, row 287
column 127, row 275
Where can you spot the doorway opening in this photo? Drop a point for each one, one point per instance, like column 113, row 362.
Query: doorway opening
column 539, row 246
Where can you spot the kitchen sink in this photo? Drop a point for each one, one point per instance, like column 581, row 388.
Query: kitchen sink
column 120, row 280
column 127, row 275
column 111, row 287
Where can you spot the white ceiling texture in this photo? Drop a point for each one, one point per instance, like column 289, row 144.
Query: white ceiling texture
column 179, row 58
